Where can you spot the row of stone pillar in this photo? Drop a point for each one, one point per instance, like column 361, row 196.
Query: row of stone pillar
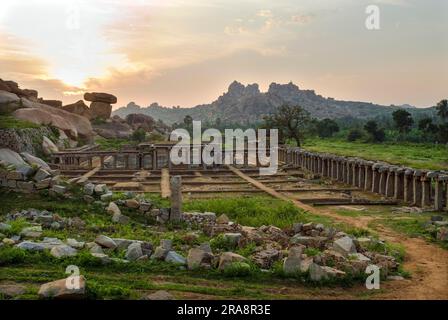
column 414, row 187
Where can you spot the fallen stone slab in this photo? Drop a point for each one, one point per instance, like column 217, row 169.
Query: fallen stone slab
column 105, row 242
column 60, row 290
column 62, row 251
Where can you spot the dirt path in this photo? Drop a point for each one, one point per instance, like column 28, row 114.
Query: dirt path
column 427, row 263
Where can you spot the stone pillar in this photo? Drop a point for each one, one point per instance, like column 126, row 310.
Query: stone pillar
column 368, row 177
column 399, row 183
column 426, row 191
column 382, row 182
column 438, row 197
column 408, row 193
column 349, row 171
column 176, row 198
column 324, row 167
column 361, row 175
column 417, row 188
column 102, row 162
column 126, row 161
column 375, row 178
column 355, row 175
column 390, row 182
column 344, row 171
column 154, row 159
column 90, row 162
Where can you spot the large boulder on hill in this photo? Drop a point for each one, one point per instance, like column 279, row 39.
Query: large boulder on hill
column 43, row 117
column 101, row 110
column 11, row 157
column 141, row 121
column 48, row 146
column 9, row 102
column 52, row 103
column 79, row 108
column 113, row 128
column 13, row 87
column 33, row 160
column 100, row 97
column 72, row 124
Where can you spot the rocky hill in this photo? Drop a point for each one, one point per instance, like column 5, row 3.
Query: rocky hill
column 247, row 104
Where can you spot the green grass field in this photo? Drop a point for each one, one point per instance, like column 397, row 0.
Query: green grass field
column 418, row 156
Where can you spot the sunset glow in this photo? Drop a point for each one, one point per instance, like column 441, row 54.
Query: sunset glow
column 187, row 52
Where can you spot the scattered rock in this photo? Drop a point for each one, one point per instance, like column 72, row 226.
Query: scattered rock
column 12, row 290
column 113, row 209
column 75, row 243
column 134, row 251
column 63, row 251
column 159, row 295
column 291, row 265
column 318, row 273
column 344, row 246
column 59, row 290
column 105, row 242
column 132, row 203
column 223, row 219
column 31, row 232
column 228, row 258
column 199, row 258
column 174, row 257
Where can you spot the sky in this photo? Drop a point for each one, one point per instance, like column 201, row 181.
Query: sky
column 187, row 52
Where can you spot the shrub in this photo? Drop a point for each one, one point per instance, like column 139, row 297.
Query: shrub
column 238, row 269
column 354, row 134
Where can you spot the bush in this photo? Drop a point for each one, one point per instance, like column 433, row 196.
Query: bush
column 354, row 134
column 238, row 269
column 139, row 135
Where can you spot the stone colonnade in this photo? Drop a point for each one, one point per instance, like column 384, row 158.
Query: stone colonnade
column 414, row 187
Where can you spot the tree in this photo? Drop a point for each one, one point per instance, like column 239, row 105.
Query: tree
column 354, row 134
column 376, row 134
column 139, row 135
column 326, row 128
column 403, row 120
column 442, row 109
column 426, row 126
column 291, row 122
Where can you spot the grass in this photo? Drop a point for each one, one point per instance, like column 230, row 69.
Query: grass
column 9, row 122
column 112, row 144
column 415, row 155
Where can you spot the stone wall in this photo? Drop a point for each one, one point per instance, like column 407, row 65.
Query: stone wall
column 24, row 140
column 414, row 187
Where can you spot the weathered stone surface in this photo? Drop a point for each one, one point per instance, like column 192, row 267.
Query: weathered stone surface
column 159, row 295
column 442, row 234
column 63, row 251
column 12, row 290
column 5, row 227
column 41, row 174
column 60, row 290
column 48, row 146
column 100, row 110
column 344, row 246
column 59, row 189
column 32, row 246
column 100, row 97
column 105, row 242
column 113, row 209
column 33, row 160
column 106, row 197
column 31, row 232
column 199, row 258
column 318, row 273
column 174, row 257
column 104, row 258
column 232, row 238
column 132, row 203
column 79, row 108
column 134, row 251
column 227, row 258
column 291, row 264
column 89, row 189
column 101, row 189
column 75, row 243
column 160, row 253
column 223, row 219
column 120, row 218
column 266, row 258
column 11, row 157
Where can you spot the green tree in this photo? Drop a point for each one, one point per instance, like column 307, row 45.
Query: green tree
column 139, row 135
column 354, row 134
column 376, row 134
column 442, row 109
column 291, row 122
column 427, row 126
column 403, row 120
column 326, row 128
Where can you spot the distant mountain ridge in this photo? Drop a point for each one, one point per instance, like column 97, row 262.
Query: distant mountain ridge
column 247, row 104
